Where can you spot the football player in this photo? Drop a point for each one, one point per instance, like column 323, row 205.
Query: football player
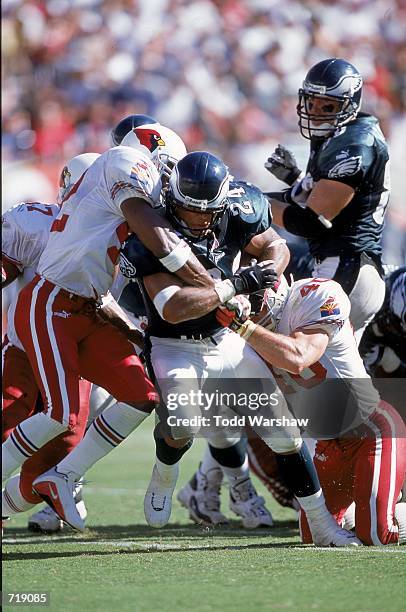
column 187, row 341
column 340, row 202
column 306, row 336
column 383, row 345
column 60, row 306
column 25, row 232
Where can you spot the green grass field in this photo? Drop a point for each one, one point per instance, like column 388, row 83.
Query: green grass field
column 121, row 564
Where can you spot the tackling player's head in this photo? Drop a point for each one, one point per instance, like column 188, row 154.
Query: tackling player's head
column 273, row 305
column 127, row 124
column 329, row 99
column 197, row 194
column 161, row 144
column 72, row 172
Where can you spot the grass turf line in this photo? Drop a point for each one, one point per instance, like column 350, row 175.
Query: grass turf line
column 120, row 563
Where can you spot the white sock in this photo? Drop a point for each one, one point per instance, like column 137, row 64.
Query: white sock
column 208, row 462
column 236, row 475
column 12, row 502
column 26, row 439
column 312, row 503
column 168, row 473
column 106, row 432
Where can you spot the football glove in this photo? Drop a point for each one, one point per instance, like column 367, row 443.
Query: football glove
column 234, row 312
column 282, row 164
column 254, row 278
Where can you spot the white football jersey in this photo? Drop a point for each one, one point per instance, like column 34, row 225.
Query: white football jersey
column 86, row 237
column 25, row 232
column 323, row 304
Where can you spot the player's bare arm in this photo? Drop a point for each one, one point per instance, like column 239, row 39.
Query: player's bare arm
column 268, row 246
column 177, row 303
column 327, row 198
column 157, row 234
column 293, row 353
column 111, row 311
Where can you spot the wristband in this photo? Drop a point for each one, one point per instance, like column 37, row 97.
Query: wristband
column 163, row 296
column 176, row 258
column 246, row 329
column 225, row 290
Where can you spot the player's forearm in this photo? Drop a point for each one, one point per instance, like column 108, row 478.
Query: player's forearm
column 112, row 312
column 156, row 233
column 280, row 351
column 277, row 253
column 190, row 303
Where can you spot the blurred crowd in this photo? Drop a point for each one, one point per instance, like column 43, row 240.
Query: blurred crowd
column 223, row 73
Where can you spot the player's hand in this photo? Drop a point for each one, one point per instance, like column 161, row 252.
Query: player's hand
column 282, row 164
column 254, row 278
column 301, row 190
column 234, row 312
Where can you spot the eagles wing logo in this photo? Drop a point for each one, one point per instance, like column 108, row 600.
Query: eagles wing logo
column 346, row 167
column 126, row 267
column 149, row 138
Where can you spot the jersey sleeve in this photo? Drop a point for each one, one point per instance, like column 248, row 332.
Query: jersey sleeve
column 251, row 211
column 346, row 164
column 20, row 246
column 320, row 304
column 129, row 174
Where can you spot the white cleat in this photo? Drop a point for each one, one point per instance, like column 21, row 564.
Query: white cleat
column 201, row 496
column 326, row 532
column 158, row 498
column 45, row 521
column 400, row 516
column 246, row 503
column 57, row 490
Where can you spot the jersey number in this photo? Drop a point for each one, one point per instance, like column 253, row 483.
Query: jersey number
column 48, row 210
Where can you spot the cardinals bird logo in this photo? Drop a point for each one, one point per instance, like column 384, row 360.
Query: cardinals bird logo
column 149, row 138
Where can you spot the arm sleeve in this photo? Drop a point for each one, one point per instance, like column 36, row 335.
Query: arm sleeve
column 320, row 304
column 17, row 246
column 130, row 174
column 347, row 164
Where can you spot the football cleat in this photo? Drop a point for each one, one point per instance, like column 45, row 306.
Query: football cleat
column 246, row 503
column 57, row 490
column 201, row 496
column 158, row 498
column 326, row 532
column 400, row 516
column 47, row 521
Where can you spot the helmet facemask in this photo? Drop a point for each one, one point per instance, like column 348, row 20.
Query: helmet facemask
column 322, row 125
column 273, row 305
column 173, row 206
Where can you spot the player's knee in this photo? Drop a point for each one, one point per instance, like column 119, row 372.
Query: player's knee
column 285, row 446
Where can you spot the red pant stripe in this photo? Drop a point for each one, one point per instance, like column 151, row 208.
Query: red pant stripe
column 43, row 294
column 35, row 342
column 62, row 387
column 389, row 437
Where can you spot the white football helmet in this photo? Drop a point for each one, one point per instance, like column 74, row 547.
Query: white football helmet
column 72, row 172
column 274, row 302
column 161, row 144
